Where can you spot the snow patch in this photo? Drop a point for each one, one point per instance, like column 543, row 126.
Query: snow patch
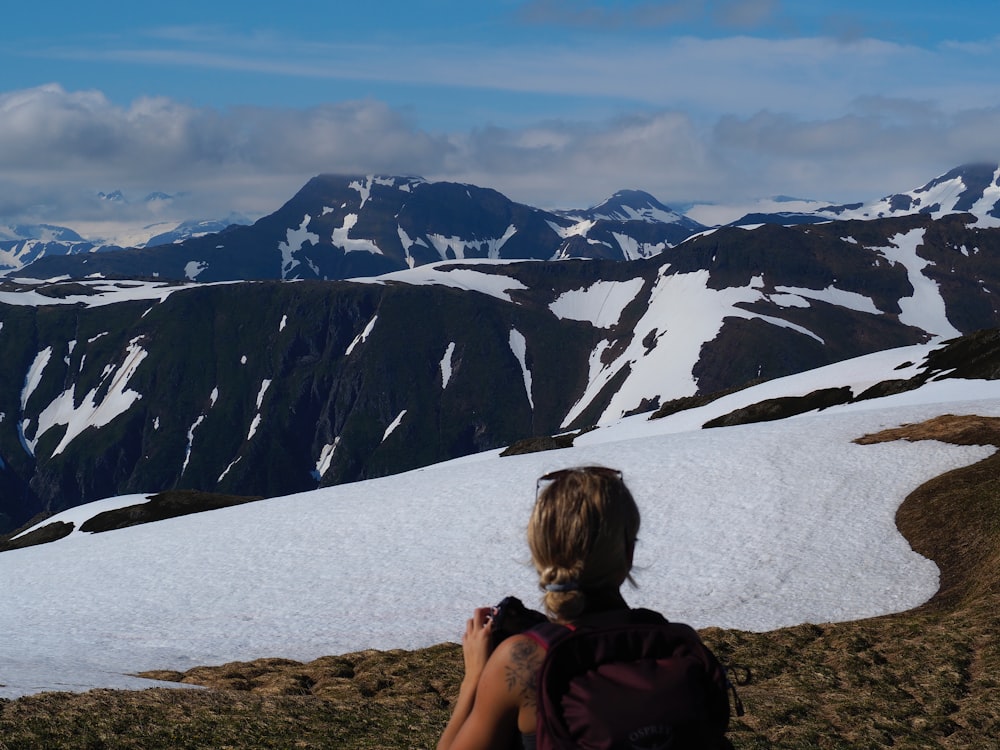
column 683, row 313
column 632, row 249
column 601, row 304
column 190, row 442
column 361, row 337
column 839, row 297
column 326, row 458
column 34, row 375
column 407, row 243
column 446, row 365
column 782, row 323
column 294, row 239
column 364, row 187
column 446, row 273
column 93, row 413
column 231, row 465
column 519, row 346
column 580, row 229
column 395, row 423
column 254, row 424
column 265, row 384
column 193, row 268
column 342, row 239
column 925, row 308
column 457, row 248
column 107, row 293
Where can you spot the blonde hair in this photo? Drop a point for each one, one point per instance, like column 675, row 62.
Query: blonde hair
column 581, row 535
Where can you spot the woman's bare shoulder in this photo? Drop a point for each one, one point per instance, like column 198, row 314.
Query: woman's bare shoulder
column 517, row 661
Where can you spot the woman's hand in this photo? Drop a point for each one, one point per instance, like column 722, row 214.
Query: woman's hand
column 476, row 652
column 476, row 643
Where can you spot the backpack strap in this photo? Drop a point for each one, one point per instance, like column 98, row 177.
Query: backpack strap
column 547, row 633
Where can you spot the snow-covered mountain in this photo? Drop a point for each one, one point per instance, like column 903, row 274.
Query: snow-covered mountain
column 971, row 188
column 41, row 232
column 18, row 253
column 633, row 205
column 340, row 226
column 22, row 244
column 750, row 527
column 190, row 229
column 346, row 226
column 270, row 388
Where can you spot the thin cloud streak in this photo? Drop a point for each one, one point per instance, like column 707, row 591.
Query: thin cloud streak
column 707, row 78
column 593, row 15
column 646, row 15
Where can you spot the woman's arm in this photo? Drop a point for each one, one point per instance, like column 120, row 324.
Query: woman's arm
column 485, row 714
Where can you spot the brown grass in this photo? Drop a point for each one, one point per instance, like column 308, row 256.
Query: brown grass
column 927, row 678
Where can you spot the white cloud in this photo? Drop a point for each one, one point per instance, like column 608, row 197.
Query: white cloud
column 59, row 148
column 698, row 119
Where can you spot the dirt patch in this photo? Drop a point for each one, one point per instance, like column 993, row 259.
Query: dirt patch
column 773, row 409
column 396, row 677
column 161, row 506
column 50, row 532
column 969, row 429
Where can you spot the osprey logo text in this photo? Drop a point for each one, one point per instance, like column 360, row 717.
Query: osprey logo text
column 652, row 737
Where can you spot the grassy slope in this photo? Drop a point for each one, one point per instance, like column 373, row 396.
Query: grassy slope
column 927, row 678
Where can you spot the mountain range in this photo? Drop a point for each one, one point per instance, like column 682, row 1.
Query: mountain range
column 22, row 245
column 339, row 227
column 124, row 223
column 971, row 188
column 433, row 320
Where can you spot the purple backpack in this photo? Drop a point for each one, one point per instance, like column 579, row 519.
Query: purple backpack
column 632, row 680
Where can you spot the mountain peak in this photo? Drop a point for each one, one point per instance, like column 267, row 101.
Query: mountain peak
column 633, row 205
column 971, row 188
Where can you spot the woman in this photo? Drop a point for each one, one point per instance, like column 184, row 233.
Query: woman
column 582, row 536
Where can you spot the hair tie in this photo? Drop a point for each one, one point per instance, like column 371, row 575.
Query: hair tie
column 561, row 587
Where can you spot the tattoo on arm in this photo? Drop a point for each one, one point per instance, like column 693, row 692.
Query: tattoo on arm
column 522, row 671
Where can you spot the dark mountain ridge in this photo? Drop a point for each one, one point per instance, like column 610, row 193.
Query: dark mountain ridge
column 347, row 226
column 339, row 227
column 268, row 388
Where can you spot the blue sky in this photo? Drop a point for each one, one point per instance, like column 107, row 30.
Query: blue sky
column 556, row 103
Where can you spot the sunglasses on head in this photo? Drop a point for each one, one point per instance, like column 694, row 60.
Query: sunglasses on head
column 600, row 471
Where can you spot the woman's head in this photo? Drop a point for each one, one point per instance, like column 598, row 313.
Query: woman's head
column 581, row 534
